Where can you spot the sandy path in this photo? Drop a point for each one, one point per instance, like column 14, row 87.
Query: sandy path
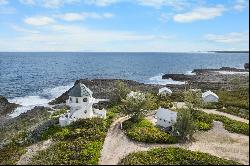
column 219, row 142
column 117, row 145
column 32, row 150
column 213, row 111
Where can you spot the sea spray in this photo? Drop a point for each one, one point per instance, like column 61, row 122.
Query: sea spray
column 29, row 102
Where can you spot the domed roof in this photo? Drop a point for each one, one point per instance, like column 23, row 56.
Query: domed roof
column 80, row 90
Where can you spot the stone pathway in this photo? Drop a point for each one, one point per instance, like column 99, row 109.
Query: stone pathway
column 117, row 145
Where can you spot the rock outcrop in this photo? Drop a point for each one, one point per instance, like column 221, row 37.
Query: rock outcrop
column 104, row 88
column 6, row 107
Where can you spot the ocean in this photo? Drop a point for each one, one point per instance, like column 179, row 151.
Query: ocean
column 36, row 78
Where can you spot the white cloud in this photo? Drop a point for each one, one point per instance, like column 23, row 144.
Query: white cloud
column 49, row 3
column 240, row 5
column 177, row 4
column 3, row 2
column 57, row 37
column 82, row 16
column 39, row 20
column 24, row 30
column 234, row 37
column 202, row 13
column 101, row 2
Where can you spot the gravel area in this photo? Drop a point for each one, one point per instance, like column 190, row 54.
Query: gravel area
column 219, row 142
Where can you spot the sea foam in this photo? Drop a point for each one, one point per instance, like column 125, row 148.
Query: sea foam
column 158, row 80
column 29, row 102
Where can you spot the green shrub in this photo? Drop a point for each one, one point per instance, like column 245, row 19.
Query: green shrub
column 173, row 156
column 57, row 113
column 10, row 154
column 232, row 125
column 243, row 113
column 237, row 98
column 77, row 144
column 213, row 105
column 145, row 131
column 202, row 126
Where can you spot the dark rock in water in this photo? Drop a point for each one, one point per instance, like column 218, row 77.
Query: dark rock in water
column 104, row 88
column 6, row 107
column 204, row 71
column 177, row 77
column 246, row 66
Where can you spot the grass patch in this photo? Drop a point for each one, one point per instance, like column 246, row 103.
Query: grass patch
column 145, row 131
column 173, row 156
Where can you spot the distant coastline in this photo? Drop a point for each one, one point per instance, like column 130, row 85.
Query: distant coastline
column 230, row 51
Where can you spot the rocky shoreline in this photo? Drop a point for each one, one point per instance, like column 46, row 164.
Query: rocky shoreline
column 213, row 79
column 6, row 107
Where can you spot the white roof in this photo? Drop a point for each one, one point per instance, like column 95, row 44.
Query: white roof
column 165, row 89
column 164, row 113
column 207, row 93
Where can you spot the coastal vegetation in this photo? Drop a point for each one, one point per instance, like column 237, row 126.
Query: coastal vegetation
column 79, row 143
column 145, row 131
column 173, row 156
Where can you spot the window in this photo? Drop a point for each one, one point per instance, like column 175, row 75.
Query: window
column 85, row 100
column 70, row 99
column 85, row 111
column 76, row 100
column 160, row 119
column 164, row 120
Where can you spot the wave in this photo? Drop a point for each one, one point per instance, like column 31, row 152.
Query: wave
column 29, row 102
column 158, row 80
column 190, row 73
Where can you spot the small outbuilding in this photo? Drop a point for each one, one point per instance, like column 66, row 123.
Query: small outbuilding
column 165, row 117
column 209, row 97
column 165, row 91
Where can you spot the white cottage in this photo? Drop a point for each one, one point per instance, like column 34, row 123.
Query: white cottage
column 81, row 105
column 165, row 117
column 209, row 96
column 164, row 91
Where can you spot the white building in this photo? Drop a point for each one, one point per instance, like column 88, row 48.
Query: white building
column 165, row 91
column 81, row 105
column 165, row 117
column 209, row 96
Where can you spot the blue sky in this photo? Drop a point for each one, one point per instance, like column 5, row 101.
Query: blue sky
column 124, row 25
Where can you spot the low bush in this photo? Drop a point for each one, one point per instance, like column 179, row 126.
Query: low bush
column 57, row 113
column 77, row 144
column 202, row 120
column 243, row 113
column 173, row 156
column 213, row 105
column 232, row 125
column 237, row 98
column 145, row 131
column 10, row 154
